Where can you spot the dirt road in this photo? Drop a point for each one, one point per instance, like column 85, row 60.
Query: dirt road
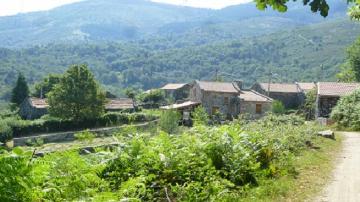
column 345, row 183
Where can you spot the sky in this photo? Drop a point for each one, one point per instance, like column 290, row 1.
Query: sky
column 12, row 7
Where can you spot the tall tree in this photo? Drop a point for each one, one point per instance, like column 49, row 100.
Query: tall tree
column 20, row 91
column 77, row 96
column 44, row 87
column 353, row 58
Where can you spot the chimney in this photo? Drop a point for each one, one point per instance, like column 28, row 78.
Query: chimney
column 238, row 84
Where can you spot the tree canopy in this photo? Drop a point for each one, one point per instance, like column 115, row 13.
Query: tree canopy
column 315, row 5
column 350, row 70
column 44, row 87
column 77, row 96
column 20, row 91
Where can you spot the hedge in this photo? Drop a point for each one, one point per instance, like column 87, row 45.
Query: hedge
column 26, row 128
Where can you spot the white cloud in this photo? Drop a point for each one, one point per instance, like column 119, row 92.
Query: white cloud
column 214, row 4
column 12, row 7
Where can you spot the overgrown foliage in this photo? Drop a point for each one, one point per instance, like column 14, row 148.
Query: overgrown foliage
column 220, row 163
column 309, row 106
column 278, row 107
column 347, row 111
column 200, row 116
column 169, row 121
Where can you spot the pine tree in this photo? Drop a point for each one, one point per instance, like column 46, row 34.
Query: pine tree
column 20, row 91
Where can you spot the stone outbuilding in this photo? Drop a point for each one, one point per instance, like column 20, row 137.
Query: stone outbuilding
column 229, row 99
column 33, row 108
column 329, row 93
column 290, row 94
column 177, row 91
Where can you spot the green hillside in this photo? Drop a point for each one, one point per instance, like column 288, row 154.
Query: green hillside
column 308, row 54
column 128, row 20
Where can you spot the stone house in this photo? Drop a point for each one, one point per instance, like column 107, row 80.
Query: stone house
column 291, row 95
column 254, row 104
column 34, row 108
column 328, row 94
column 229, row 99
column 177, row 91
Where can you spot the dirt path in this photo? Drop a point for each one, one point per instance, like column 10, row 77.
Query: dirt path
column 345, row 183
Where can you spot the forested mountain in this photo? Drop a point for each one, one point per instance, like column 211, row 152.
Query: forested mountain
column 309, row 53
column 124, row 20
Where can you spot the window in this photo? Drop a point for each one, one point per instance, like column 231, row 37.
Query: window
column 258, row 108
column 226, row 100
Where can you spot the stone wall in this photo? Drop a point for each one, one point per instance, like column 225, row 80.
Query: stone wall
column 27, row 111
column 325, row 105
column 249, row 108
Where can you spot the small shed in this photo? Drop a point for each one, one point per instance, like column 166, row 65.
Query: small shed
column 289, row 94
column 33, row 108
column 329, row 93
column 178, row 91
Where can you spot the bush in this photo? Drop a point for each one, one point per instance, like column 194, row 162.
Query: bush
column 24, row 127
column 347, row 111
column 278, row 107
column 5, row 131
column 85, row 136
column 169, row 121
column 200, row 116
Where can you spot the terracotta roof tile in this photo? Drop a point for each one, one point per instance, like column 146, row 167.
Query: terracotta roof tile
column 38, row 103
column 307, row 86
column 173, row 86
column 221, row 87
column 336, row 89
column 120, row 103
column 280, row 87
column 253, row 96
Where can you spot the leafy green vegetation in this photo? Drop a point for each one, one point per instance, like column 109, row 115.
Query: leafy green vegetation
column 230, row 162
column 77, row 97
column 169, row 121
column 347, row 111
column 278, row 107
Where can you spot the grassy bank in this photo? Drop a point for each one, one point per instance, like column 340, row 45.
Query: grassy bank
column 314, row 168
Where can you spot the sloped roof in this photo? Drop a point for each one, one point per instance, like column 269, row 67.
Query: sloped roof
column 119, row 103
column 181, row 106
column 253, row 96
column 307, row 86
column 113, row 104
column 221, row 87
column 173, row 86
column 38, row 103
column 280, row 87
column 336, row 89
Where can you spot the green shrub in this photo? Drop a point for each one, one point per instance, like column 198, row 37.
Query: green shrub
column 16, row 176
column 48, row 124
column 169, row 121
column 5, row 131
column 200, row 116
column 347, row 111
column 278, row 107
column 85, row 136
